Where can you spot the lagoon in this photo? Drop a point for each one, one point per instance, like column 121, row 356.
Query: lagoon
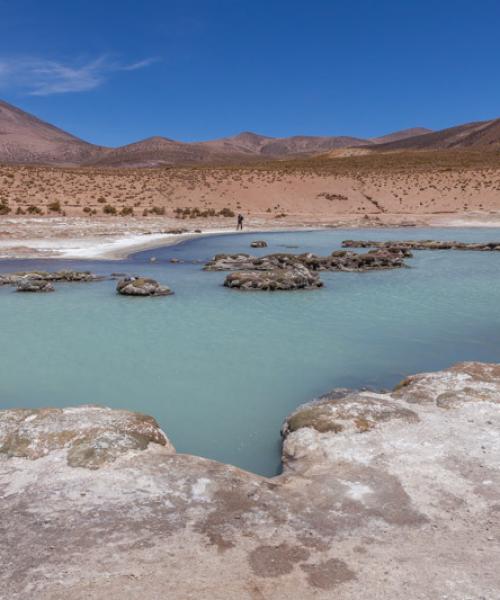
column 220, row 369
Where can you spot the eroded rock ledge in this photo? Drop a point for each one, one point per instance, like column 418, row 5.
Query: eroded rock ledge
column 339, row 260
column 383, row 496
column 424, row 245
column 48, row 277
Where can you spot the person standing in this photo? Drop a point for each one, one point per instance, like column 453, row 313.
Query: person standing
column 239, row 226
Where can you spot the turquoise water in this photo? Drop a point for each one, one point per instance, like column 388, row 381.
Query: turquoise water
column 220, row 369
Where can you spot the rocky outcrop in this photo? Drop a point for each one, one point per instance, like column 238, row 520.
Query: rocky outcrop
column 231, row 262
column 383, row 496
column 34, row 285
column 297, row 277
column 52, row 277
column 423, row 245
column 258, row 244
column 90, row 436
column 346, row 411
column 341, row 260
column 142, row 286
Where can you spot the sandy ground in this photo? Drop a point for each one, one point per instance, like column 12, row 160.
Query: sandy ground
column 103, row 238
column 91, row 213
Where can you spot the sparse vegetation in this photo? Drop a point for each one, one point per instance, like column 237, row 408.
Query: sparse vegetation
column 54, row 206
column 405, row 182
column 34, row 210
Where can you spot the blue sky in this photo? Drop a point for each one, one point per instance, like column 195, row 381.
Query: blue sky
column 113, row 72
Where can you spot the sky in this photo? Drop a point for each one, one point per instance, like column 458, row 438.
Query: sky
column 114, row 72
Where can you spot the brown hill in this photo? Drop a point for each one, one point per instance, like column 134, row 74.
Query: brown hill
column 482, row 134
column 244, row 147
column 401, row 135
column 26, row 139
column 246, row 142
column 157, row 151
column 303, row 145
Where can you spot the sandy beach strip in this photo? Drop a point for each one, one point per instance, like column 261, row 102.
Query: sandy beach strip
column 80, row 239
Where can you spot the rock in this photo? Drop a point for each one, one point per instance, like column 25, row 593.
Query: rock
column 65, row 276
column 197, row 231
column 229, row 262
column 465, row 382
column 342, row 260
column 142, row 286
column 91, row 435
column 423, row 245
column 347, row 410
column 294, row 278
column 258, row 244
column 176, row 230
column 152, row 259
column 34, row 285
column 383, row 496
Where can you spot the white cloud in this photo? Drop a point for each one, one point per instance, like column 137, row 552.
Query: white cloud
column 41, row 77
column 140, row 64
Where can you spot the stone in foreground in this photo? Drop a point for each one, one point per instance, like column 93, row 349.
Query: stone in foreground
column 90, row 435
column 294, row 278
column 384, row 496
column 142, row 286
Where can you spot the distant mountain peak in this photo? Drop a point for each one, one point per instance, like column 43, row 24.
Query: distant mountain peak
column 25, row 139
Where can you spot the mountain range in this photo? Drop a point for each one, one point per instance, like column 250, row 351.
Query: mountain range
column 25, row 139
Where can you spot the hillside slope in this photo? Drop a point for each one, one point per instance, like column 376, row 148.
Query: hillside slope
column 482, row 134
column 25, row 139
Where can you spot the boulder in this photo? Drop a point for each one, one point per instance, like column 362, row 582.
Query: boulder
column 142, row 286
column 293, row 278
column 34, row 285
column 229, row 262
column 90, row 435
column 258, row 244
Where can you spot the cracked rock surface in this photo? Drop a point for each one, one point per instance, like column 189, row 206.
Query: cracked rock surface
column 383, row 496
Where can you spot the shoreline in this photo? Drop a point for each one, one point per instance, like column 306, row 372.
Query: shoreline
column 409, row 480
column 87, row 239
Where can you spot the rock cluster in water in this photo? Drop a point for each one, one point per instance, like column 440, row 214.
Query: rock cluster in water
column 296, row 277
column 423, row 245
column 283, row 271
column 142, row 286
column 42, row 281
column 340, row 260
column 48, row 277
column 34, row 285
column 383, row 495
